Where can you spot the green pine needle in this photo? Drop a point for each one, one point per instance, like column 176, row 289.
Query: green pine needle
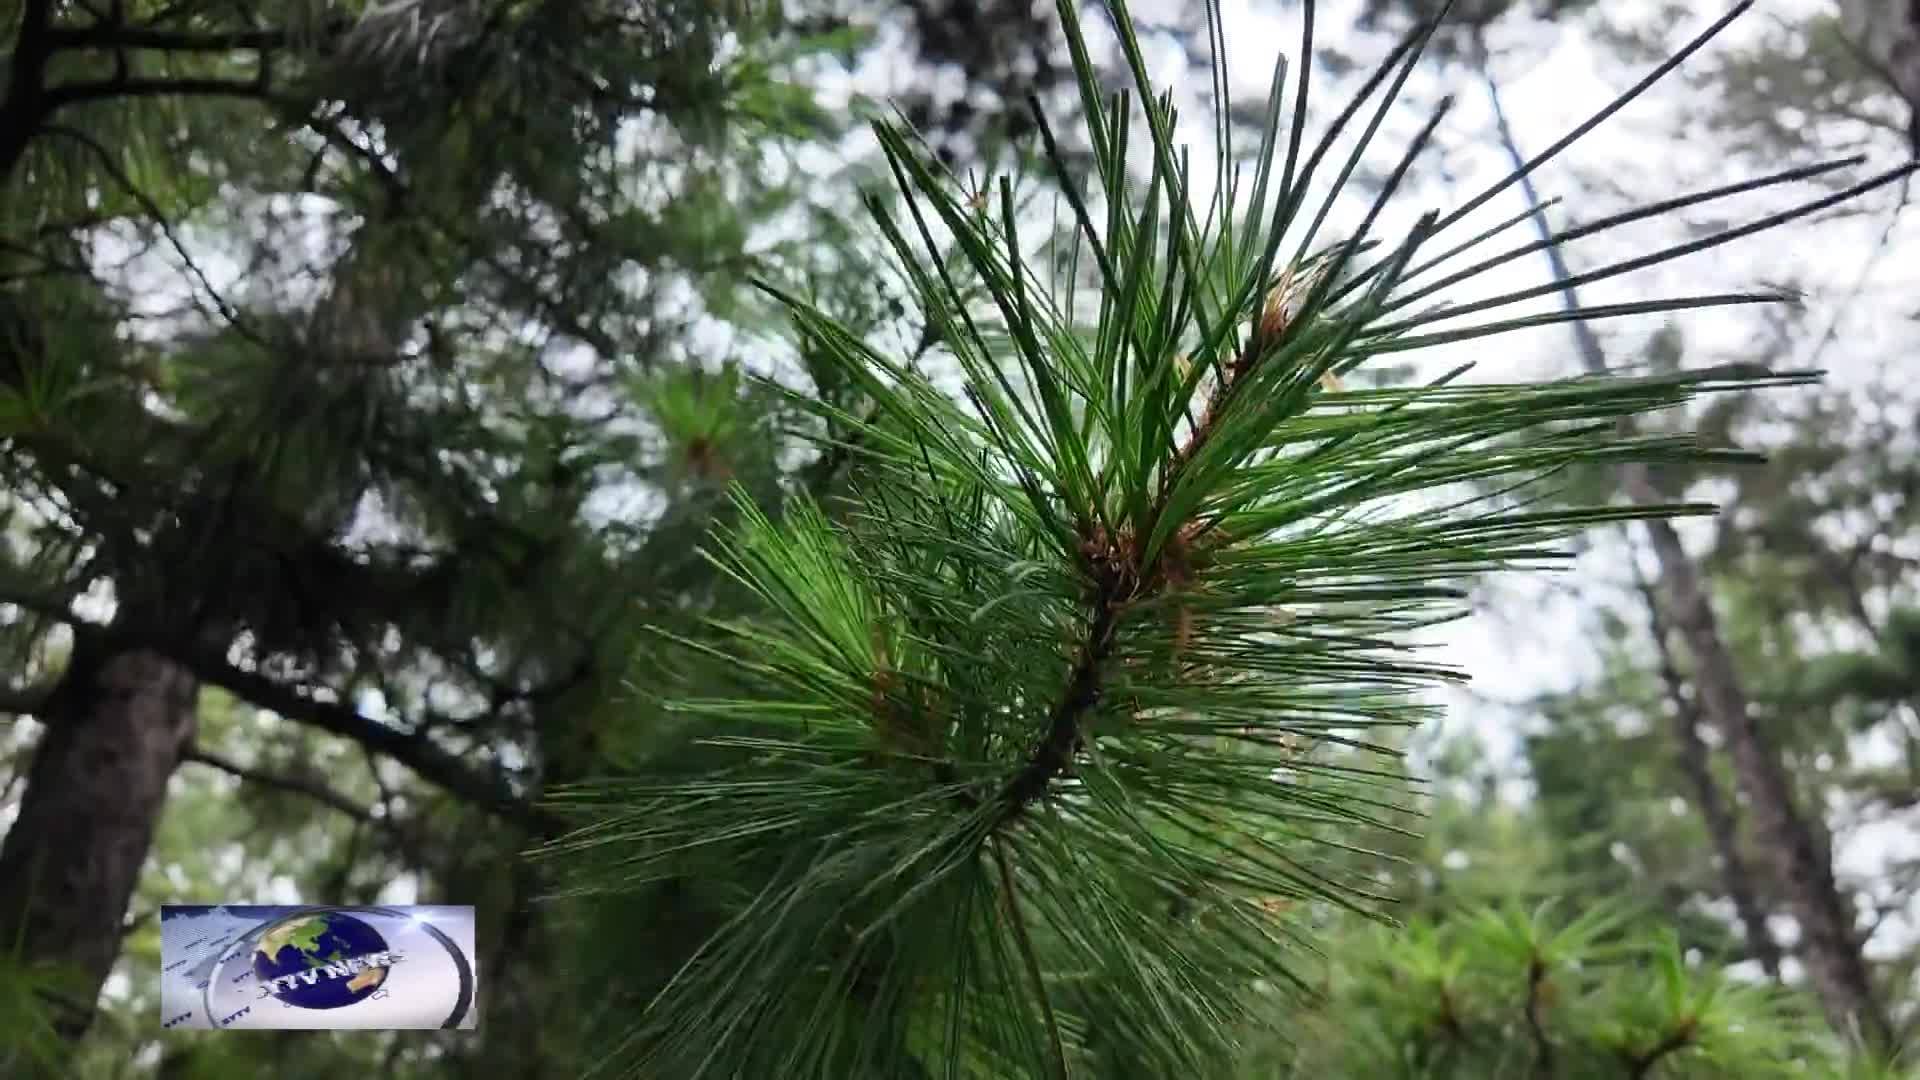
column 1049, row 749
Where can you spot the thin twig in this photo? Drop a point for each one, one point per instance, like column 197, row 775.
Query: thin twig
column 1536, row 1027
column 1852, row 295
column 157, row 40
column 1886, row 76
column 1027, row 956
column 296, row 785
column 1640, row 1065
column 119, row 176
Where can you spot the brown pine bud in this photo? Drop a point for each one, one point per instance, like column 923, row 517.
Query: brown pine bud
column 1274, row 312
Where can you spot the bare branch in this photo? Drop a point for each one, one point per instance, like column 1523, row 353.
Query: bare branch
column 297, row 785
column 23, row 702
column 59, row 97
column 111, row 167
column 486, row 789
column 403, row 839
column 156, row 40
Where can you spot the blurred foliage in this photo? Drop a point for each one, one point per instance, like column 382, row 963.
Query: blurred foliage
column 1508, row 992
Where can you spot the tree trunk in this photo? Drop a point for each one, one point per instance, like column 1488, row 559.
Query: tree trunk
column 1801, row 868
column 117, row 726
column 1799, row 865
column 24, row 106
column 1722, row 830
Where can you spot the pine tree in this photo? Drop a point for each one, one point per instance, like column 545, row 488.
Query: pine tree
column 1041, row 758
column 294, row 300
column 1791, row 852
column 1506, row 991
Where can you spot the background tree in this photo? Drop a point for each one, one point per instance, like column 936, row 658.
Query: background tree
column 314, row 385
column 1793, row 851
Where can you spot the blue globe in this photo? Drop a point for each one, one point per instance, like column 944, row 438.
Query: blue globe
column 322, row 960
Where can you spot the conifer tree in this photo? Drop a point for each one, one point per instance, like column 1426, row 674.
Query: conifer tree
column 1791, row 852
column 322, row 323
column 1054, row 743
column 1509, row 991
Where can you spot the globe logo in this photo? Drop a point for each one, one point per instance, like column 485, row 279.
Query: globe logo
column 322, row 960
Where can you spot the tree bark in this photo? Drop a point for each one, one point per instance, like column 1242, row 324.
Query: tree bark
column 1800, row 864
column 1800, row 867
column 117, row 726
column 1722, row 830
column 24, row 105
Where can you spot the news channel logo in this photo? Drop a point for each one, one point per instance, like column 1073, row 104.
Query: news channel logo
column 317, row 968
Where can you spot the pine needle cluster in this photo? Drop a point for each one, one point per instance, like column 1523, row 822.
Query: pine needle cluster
column 1053, row 744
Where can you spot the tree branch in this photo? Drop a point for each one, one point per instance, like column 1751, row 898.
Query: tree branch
column 297, row 785
column 1890, row 81
column 403, row 839
column 26, row 702
column 24, row 105
column 444, row 769
column 108, row 164
column 1032, row 964
column 156, row 40
column 441, row 767
column 1640, row 1065
column 59, row 97
column 53, row 604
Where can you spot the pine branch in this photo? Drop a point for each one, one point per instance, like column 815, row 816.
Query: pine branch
column 1090, row 519
column 1083, row 692
column 297, row 785
column 1641, row 1065
column 1011, row 898
column 487, row 790
column 133, row 87
column 116, row 36
column 1114, row 564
